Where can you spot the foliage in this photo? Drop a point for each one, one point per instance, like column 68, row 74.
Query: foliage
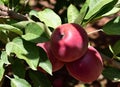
column 19, row 38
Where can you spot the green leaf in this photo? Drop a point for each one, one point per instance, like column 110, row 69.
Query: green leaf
column 33, row 13
column 50, row 18
column 107, row 9
column 48, row 31
column 72, row 13
column 32, row 31
column 115, row 9
column 39, row 79
column 45, row 63
column 17, row 67
column 24, row 50
column 16, row 46
column 116, row 48
column 83, row 11
column 112, row 74
column 112, row 27
column 95, row 6
column 18, row 82
column 21, row 24
column 1, row 3
column 2, row 70
column 4, row 57
column 10, row 28
column 5, row 1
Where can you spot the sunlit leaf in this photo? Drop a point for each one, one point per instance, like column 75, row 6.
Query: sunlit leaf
column 1, row 3
column 21, row 24
column 24, row 50
column 18, row 82
column 32, row 31
column 115, row 9
column 1, row 69
column 95, row 6
column 50, row 18
column 72, row 13
column 10, row 28
column 16, row 46
column 83, row 11
column 106, row 10
column 4, row 57
column 33, row 13
column 45, row 63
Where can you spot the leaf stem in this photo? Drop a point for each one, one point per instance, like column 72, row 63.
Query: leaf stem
column 95, row 31
column 7, row 77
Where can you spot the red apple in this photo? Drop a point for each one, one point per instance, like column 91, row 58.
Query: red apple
column 56, row 64
column 87, row 68
column 58, row 82
column 69, row 42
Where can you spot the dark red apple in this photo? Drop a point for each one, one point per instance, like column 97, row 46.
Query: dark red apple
column 58, row 82
column 56, row 64
column 87, row 68
column 69, row 42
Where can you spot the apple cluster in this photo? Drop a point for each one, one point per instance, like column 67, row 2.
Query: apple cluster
column 69, row 46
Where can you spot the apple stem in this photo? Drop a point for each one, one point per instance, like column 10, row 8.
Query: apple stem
column 95, row 31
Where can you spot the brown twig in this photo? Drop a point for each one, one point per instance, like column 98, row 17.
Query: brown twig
column 6, row 12
column 110, row 61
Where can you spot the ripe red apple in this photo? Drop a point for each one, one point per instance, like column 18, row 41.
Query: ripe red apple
column 69, row 42
column 87, row 68
column 56, row 64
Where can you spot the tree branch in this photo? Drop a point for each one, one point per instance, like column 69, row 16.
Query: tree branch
column 5, row 12
column 109, row 61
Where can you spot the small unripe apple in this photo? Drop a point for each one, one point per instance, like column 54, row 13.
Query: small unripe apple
column 56, row 64
column 69, row 42
column 88, row 68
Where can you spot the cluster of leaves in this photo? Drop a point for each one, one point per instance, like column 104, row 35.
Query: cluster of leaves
column 20, row 37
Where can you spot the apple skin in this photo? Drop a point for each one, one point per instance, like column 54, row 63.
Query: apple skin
column 56, row 64
column 88, row 68
column 69, row 42
column 58, row 82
